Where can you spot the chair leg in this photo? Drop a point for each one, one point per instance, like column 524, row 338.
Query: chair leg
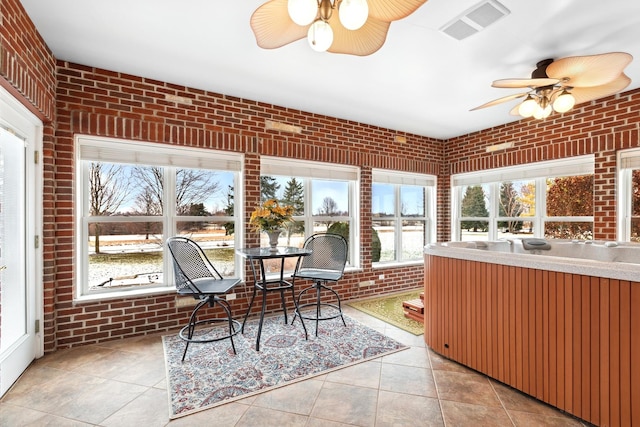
column 253, row 296
column 192, row 324
column 295, row 313
column 318, row 310
column 227, row 309
column 339, row 303
column 297, row 303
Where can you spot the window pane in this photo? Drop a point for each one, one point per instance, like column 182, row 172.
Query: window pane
column 635, row 230
column 413, row 240
column 474, row 202
column 116, row 189
column 383, row 201
column 635, row 192
column 474, row 230
column 568, row 230
column 512, row 229
column 385, row 231
column 120, row 255
column 201, row 192
column 517, row 198
column 216, row 240
column 412, row 201
column 570, row 196
column 330, row 198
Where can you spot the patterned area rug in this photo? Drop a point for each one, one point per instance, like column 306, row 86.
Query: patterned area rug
column 390, row 310
column 212, row 375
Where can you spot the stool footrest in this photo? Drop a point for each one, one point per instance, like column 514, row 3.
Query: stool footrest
column 308, row 316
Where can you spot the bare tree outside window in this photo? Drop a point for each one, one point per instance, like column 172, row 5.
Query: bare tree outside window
column 108, row 190
column 192, row 186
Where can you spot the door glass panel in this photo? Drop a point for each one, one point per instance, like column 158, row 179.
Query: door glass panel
column 12, row 239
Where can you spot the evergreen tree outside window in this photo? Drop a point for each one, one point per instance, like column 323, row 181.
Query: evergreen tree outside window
column 547, row 199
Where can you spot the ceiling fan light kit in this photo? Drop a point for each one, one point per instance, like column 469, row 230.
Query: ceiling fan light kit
column 358, row 27
column 559, row 85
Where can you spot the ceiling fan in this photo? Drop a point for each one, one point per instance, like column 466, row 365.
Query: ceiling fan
column 558, row 85
column 354, row 27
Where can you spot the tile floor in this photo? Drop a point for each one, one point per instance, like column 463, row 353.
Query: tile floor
column 122, row 383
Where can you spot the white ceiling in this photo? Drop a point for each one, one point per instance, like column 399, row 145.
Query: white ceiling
column 421, row 81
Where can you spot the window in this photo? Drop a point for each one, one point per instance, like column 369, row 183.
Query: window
column 547, row 199
column 629, row 195
column 324, row 197
column 132, row 196
column 402, row 211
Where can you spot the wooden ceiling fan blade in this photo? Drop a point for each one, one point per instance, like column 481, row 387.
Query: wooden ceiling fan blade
column 515, row 111
column 393, row 10
column 500, row 101
column 585, row 94
column 361, row 42
column 588, row 71
column 273, row 27
column 520, row 83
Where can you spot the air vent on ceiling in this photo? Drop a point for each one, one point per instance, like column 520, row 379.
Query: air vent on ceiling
column 475, row 19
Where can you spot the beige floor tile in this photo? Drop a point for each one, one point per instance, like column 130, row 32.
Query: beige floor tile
column 365, row 374
column 397, row 409
column 123, row 382
column 221, row 416
column 464, row 414
column 466, row 388
column 441, row 363
column 318, row 422
column 513, row 400
column 149, row 409
column 346, row 404
column 263, row 417
column 296, row 398
column 13, row 416
column 413, row 356
column 407, row 380
column 527, row 419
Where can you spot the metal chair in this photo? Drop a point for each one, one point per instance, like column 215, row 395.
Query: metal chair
column 196, row 276
column 325, row 264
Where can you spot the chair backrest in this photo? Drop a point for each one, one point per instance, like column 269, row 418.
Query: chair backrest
column 328, row 252
column 189, row 263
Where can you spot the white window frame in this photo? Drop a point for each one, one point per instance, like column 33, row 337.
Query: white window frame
column 399, row 179
column 537, row 172
column 112, row 150
column 626, row 161
column 309, row 171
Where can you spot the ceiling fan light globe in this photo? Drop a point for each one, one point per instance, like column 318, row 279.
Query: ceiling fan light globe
column 353, row 13
column 320, row 36
column 528, row 107
column 564, row 102
column 542, row 112
column 302, row 12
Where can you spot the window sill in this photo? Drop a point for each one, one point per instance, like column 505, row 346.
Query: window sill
column 85, row 299
column 395, row 264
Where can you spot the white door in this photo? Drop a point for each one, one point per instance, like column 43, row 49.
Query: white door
column 20, row 260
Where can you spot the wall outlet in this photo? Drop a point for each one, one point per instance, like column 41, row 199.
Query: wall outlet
column 381, row 277
column 230, row 297
column 366, row 283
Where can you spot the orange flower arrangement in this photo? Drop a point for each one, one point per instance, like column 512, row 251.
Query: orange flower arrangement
column 271, row 216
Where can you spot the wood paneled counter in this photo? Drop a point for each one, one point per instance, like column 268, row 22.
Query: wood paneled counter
column 571, row 340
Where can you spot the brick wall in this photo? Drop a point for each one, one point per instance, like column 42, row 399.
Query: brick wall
column 600, row 127
column 99, row 102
